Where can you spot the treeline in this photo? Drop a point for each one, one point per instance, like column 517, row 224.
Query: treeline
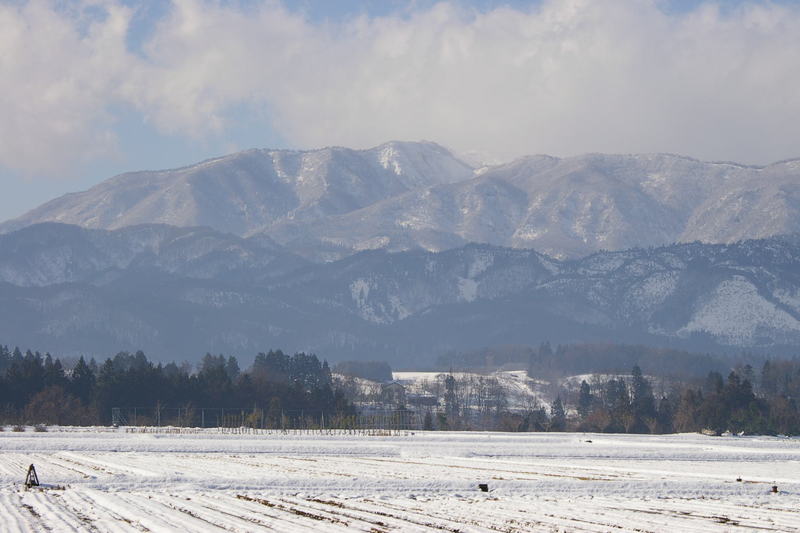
column 572, row 359
column 742, row 402
column 548, row 362
column 485, row 358
column 745, row 401
column 37, row 389
column 379, row 371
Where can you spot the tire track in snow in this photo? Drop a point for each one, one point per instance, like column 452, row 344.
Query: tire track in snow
column 51, row 515
column 12, row 518
column 100, row 463
column 99, row 514
column 250, row 505
column 159, row 514
column 494, row 470
column 712, row 510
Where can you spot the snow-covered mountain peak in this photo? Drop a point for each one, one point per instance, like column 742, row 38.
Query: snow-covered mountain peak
column 569, row 207
column 334, row 201
column 251, row 191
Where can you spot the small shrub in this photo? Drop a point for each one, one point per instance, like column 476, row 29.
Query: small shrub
column 40, row 428
column 18, row 428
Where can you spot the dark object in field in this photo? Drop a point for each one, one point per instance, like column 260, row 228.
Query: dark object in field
column 484, row 487
column 774, row 488
column 31, row 480
column 588, row 441
column 738, row 479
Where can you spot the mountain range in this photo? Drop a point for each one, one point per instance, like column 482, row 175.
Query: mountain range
column 179, row 292
column 330, row 203
column 403, row 252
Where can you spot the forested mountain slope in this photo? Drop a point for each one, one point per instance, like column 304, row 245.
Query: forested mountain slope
column 178, row 293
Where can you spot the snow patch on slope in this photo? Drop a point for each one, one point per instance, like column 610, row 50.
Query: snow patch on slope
column 790, row 298
column 398, row 308
column 480, row 264
column 467, row 289
column 388, row 159
column 359, row 290
column 736, row 312
column 652, row 291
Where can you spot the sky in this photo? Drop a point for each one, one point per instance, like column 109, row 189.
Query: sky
column 94, row 88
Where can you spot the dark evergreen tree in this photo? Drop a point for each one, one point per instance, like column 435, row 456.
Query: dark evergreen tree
column 537, row 420
column 617, row 403
column 232, row 368
column 82, row 382
column 585, row 400
column 450, row 401
column 664, row 416
column 714, row 383
column 642, row 401
column 558, row 418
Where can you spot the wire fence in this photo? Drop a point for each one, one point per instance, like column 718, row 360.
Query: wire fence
column 231, row 417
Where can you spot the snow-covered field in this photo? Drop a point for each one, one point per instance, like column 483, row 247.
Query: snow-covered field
column 110, row 480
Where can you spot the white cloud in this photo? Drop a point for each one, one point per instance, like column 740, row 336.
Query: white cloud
column 568, row 77
column 57, row 72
